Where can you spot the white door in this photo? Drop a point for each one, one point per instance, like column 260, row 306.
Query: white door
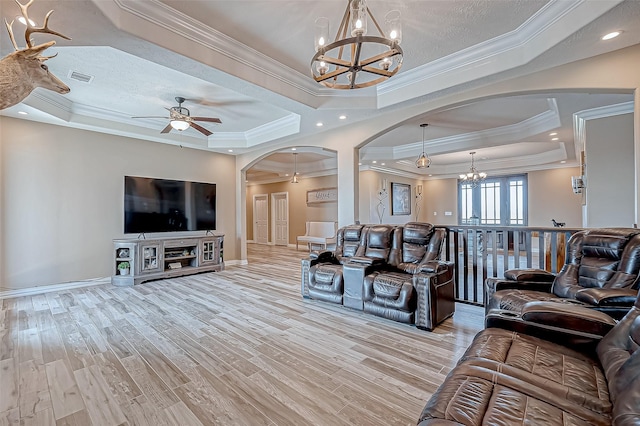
column 261, row 219
column 280, row 214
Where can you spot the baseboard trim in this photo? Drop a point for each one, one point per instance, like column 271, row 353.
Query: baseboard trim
column 30, row 291
column 235, row 262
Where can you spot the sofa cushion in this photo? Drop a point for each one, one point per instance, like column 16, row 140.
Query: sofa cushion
column 562, row 371
column 473, row 396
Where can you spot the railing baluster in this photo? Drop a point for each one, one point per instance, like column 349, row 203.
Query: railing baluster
column 466, row 246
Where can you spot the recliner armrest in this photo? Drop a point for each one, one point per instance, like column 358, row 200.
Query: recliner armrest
column 497, row 284
column 529, row 275
column 434, row 266
column 605, row 297
column 322, row 256
column 568, row 316
column 361, row 260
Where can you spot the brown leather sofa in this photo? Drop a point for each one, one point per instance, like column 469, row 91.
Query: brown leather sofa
column 394, row 272
column 511, row 378
column 601, row 271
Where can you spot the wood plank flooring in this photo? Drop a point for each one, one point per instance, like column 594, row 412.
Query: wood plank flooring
column 238, row 347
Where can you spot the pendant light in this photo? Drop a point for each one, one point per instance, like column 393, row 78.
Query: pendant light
column 423, row 161
column 294, row 179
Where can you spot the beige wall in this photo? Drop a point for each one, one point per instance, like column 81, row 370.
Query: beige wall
column 610, row 172
column 370, row 185
column 63, row 197
column 299, row 211
column 550, row 196
column 441, row 196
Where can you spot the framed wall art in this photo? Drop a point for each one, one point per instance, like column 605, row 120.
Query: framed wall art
column 400, row 199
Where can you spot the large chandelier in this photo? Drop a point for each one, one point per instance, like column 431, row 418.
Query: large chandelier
column 473, row 177
column 423, row 160
column 354, row 59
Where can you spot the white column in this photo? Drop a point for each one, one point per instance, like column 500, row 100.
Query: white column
column 348, row 182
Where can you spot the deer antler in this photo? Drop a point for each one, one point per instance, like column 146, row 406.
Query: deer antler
column 33, row 29
column 10, row 29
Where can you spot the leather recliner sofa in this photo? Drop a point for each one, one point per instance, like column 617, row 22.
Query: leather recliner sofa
column 395, row 272
column 413, row 268
column 601, row 271
column 511, row 378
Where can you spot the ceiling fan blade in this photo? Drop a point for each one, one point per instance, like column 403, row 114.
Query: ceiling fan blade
column 209, row 119
column 200, row 129
column 167, row 129
column 152, row 116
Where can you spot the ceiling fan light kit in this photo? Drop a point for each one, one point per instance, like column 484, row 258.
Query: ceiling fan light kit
column 179, row 124
column 354, row 55
column 180, row 119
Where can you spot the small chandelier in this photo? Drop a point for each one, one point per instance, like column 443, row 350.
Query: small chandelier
column 295, row 179
column 474, row 177
column 423, row 161
column 354, row 54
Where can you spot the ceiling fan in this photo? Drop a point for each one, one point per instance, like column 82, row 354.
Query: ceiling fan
column 180, row 119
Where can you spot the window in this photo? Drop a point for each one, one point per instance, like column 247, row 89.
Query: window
column 496, row 201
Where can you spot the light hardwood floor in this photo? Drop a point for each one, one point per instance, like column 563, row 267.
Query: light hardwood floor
column 239, row 347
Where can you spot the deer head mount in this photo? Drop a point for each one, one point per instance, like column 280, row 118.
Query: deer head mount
column 24, row 70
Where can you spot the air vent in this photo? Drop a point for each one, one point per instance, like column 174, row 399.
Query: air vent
column 80, row 77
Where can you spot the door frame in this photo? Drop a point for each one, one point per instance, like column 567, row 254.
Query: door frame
column 255, row 219
column 274, row 195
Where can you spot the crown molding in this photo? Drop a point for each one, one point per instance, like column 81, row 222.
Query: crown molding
column 195, row 31
column 554, row 22
column 580, row 119
column 547, row 120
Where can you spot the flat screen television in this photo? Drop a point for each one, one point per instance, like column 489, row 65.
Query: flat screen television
column 163, row 205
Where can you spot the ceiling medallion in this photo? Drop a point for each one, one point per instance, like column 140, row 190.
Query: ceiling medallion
column 355, row 60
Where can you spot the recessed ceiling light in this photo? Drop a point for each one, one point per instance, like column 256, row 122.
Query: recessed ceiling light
column 286, row 174
column 293, row 149
column 230, row 150
column 554, row 139
column 430, row 175
column 23, row 113
column 382, row 164
column 553, row 134
column 319, row 124
column 611, row 35
column 343, row 117
column 374, row 162
column 359, row 164
column 563, row 161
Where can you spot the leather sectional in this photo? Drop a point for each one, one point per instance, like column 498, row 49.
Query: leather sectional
column 390, row 271
column 513, row 378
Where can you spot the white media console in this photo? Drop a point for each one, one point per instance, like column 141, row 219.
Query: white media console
column 165, row 258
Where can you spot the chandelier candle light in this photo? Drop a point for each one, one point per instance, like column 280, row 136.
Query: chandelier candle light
column 473, row 176
column 355, row 56
column 423, row 161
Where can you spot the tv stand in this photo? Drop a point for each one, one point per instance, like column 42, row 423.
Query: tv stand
column 167, row 257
